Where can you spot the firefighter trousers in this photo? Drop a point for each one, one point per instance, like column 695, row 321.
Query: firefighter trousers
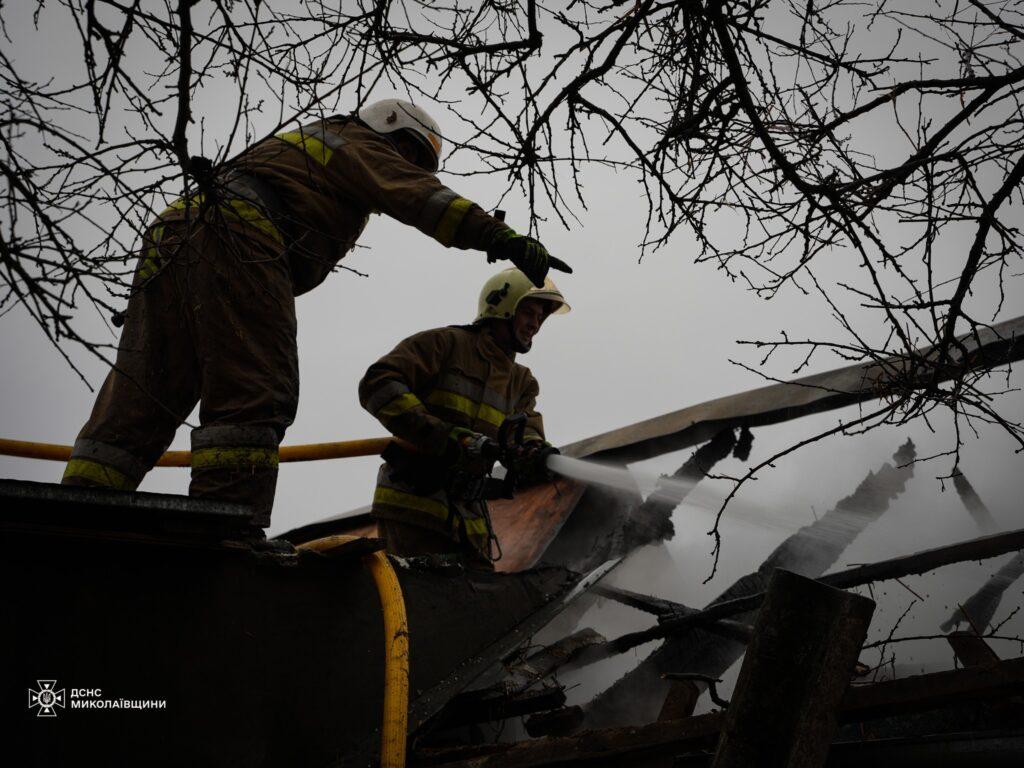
column 211, row 320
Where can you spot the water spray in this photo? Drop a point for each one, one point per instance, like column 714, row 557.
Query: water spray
column 669, row 491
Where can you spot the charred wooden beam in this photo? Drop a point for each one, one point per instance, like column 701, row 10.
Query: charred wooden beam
column 554, row 723
column 522, row 675
column 932, row 691
column 652, row 520
column 971, row 649
column 613, row 523
column 608, row 746
column 547, row 660
column 681, row 700
column 981, row 607
column 430, row 702
column 810, row 551
column 921, row 562
column 646, row 603
column 794, row 673
column 616, row 746
column 498, row 706
column 992, row 346
column 894, row 568
column 977, row 749
column 975, row 506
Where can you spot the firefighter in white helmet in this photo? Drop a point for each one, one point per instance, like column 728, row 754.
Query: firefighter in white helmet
column 211, row 318
column 448, row 391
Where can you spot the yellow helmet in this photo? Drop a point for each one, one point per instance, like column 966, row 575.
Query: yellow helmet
column 501, row 294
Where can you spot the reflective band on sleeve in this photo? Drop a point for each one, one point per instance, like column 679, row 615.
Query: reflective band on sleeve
column 394, row 498
column 240, row 210
column 218, row 458
column 384, row 394
column 399, row 405
column 435, row 207
column 450, row 220
column 151, row 261
column 315, row 141
column 253, row 216
column 100, row 474
column 466, row 406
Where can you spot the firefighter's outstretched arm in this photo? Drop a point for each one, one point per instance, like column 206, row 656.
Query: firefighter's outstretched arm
column 391, row 184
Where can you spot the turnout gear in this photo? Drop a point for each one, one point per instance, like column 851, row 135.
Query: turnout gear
column 211, row 318
column 391, row 115
column 502, row 293
column 215, row 324
column 434, row 389
column 311, row 191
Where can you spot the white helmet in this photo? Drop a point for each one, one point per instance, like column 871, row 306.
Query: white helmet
column 390, row 115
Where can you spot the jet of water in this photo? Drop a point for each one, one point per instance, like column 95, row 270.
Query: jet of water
column 672, row 491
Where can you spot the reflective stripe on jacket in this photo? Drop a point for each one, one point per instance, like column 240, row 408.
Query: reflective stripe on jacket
column 325, row 179
column 430, row 384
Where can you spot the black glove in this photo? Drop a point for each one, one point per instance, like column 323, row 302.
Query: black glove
column 471, row 450
column 528, row 254
column 531, row 463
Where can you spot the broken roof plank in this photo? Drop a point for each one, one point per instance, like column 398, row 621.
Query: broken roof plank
column 431, row 702
column 811, row 551
column 897, row 567
column 972, row 501
column 523, row 674
column 992, row 346
column 805, row 632
column 938, row 689
column 981, row 607
column 615, row 746
column 921, row 562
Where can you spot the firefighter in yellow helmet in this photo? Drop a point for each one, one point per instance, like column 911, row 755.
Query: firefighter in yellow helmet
column 211, row 319
column 448, row 391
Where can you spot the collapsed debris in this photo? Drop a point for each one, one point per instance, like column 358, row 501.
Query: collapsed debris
column 975, row 506
column 981, row 607
column 638, row 696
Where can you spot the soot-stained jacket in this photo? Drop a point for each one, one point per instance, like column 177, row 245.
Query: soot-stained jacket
column 311, row 191
column 434, row 382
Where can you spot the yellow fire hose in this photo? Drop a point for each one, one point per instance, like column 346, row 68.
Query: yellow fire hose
column 396, row 649
column 312, row 452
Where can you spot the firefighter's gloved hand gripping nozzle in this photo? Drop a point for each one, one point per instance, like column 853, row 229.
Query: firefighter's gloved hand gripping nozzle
column 471, row 480
column 468, row 472
column 523, row 462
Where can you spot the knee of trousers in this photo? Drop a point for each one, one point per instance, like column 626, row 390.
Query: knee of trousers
column 98, row 464
column 236, row 463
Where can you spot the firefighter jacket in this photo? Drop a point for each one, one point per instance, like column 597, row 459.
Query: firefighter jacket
column 431, row 384
column 310, row 192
